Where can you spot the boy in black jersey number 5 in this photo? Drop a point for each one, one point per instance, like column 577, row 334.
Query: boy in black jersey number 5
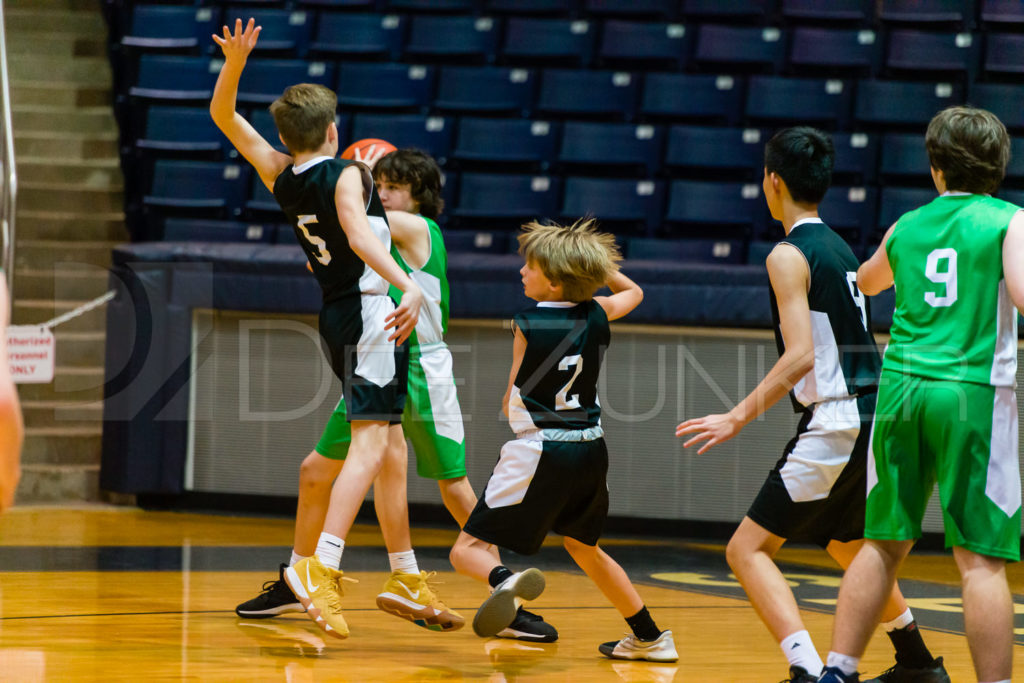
column 552, row 476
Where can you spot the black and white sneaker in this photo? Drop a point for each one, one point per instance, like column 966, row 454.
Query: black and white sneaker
column 661, row 650
column 276, row 598
column 529, row 626
column 499, row 610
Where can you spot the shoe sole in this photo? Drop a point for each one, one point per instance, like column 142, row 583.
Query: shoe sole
column 499, row 610
column 291, row 577
column 421, row 615
column 509, row 633
column 272, row 612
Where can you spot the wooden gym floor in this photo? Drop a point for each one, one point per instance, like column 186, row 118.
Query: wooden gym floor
column 117, row 594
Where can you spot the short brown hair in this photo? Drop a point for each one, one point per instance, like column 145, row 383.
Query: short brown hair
column 971, row 147
column 302, row 114
column 577, row 257
column 420, row 171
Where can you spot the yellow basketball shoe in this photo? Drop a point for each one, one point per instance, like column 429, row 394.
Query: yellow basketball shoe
column 319, row 590
column 410, row 597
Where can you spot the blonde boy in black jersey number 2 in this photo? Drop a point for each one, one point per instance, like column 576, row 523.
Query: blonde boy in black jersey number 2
column 552, row 476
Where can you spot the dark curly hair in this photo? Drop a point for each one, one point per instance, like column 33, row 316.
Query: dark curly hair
column 420, row 171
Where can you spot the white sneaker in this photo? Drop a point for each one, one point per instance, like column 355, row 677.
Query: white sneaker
column 661, row 650
column 499, row 611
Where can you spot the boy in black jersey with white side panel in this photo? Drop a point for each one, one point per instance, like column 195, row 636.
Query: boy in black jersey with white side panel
column 829, row 362
column 552, row 477
column 341, row 226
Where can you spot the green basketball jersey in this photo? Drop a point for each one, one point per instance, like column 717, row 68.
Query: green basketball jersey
column 954, row 319
column 432, row 278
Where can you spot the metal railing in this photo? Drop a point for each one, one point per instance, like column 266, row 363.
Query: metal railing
column 9, row 178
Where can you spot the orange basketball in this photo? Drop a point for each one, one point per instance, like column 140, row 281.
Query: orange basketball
column 364, row 147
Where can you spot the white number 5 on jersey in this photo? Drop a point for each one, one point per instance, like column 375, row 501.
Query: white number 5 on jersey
column 316, row 242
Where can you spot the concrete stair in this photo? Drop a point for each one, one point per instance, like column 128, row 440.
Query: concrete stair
column 69, row 216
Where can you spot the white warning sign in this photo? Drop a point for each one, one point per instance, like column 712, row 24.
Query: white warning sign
column 31, row 354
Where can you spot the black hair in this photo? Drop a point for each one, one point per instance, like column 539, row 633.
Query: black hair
column 803, row 157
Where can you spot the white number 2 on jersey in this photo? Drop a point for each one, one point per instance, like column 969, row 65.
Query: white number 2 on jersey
column 562, row 400
column 317, row 243
column 945, row 277
column 858, row 297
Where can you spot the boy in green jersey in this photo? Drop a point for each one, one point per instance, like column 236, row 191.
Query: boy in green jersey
column 946, row 408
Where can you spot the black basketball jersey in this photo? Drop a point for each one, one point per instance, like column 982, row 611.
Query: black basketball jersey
column 306, row 195
column 846, row 358
column 556, row 386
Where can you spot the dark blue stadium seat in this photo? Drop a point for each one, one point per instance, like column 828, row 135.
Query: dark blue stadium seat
column 543, row 41
column 748, row 48
column 913, row 52
column 856, row 157
column 260, row 204
column 896, row 201
column 1002, row 99
column 264, row 80
column 706, row 149
column 365, row 5
column 817, row 101
column 758, row 250
column 476, row 241
column 903, row 103
column 181, row 131
column 1012, row 196
column 829, row 51
column 918, row 12
column 365, row 36
column 285, row 32
column 571, row 92
column 734, row 10
column 198, row 188
column 203, row 230
column 461, row 39
column 432, row 134
column 850, row 211
column 703, row 98
column 491, row 90
column 904, row 157
column 1003, row 55
column 166, row 28
column 1015, row 169
column 1008, row 13
column 831, row 12
column 685, row 250
column 618, row 147
column 506, row 141
column 453, row 6
column 385, row 86
column 635, row 9
column 651, row 45
column 514, row 198
column 174, row 78
column 560, row 8
column 733, row 209
column 622, row 206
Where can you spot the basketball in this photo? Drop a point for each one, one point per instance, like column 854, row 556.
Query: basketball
column 364, row 147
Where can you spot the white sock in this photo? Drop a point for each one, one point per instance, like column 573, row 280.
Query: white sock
column 800, row 651
column 328, row 550
column 296, row 558
column 845, row 663
column 404, row 561
column 901, row 621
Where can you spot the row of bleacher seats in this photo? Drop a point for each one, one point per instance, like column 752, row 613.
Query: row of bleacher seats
column 611, row 43
column 594, row 148
column 501, row 201
column 957, row 13
column 838, row 104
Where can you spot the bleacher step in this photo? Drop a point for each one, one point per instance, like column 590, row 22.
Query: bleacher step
column 60, row 94
column 44, row 283
column 82, row 70
column 41, row 483
column 83, row 120
column 65, row 45
column 49, row 224
column 98, row 173
column 72, row 197
column 61, row 254
column 38, row 311
column 64, row 5
column 61, row 145
column 42, row 18
column 68, row 386
column 61, row 435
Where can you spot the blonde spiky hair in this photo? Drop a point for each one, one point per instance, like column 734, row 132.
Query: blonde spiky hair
column 577, row 257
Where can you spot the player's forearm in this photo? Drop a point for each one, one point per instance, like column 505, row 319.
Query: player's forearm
column 225, row 93
column 371, row 250
column 783, row 376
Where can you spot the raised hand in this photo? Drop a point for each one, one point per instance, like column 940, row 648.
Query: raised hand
column 239, row 44
column 373, row 155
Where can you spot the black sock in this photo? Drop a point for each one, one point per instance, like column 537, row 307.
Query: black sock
column 911, row 651
column 643, row 626
column 498, row 574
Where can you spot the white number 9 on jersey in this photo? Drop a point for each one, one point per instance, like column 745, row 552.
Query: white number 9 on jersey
column 946, row 277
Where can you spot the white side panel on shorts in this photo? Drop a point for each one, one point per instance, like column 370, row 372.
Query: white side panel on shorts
column 430, row 327
column 513, row 473
column 872, row 469
column 822, row 451
column 444, row 403
column 375, row 355
column 1004, row 356
column 1002, row 485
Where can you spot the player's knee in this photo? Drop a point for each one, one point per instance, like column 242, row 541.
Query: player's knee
column 736, row 552
column 578, row 550
column 317, row 471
